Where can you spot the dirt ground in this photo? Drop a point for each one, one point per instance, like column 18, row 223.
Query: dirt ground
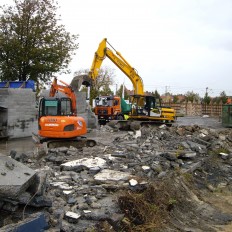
column 223, row 201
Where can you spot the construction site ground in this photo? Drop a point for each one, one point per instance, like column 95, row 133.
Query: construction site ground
column 175, row 178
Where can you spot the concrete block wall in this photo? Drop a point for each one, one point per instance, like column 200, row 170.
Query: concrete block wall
column 81, row 102
column 3, row 122
column 21, row 112
column 84, row 110
column 3, row 112
column 4, row 98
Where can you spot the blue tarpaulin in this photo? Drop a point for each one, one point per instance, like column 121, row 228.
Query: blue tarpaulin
column 18, row 84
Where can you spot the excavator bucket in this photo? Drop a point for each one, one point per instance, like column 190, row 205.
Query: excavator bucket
column 80, row 80
column 134, row 125
column 119, row 124
column 125, row 125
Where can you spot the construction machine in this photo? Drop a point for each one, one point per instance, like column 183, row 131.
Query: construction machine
column 143, row 108
column 111, row 108
column 58, row 122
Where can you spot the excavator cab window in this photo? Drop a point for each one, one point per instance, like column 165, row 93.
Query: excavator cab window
column 51, row 108
column 65, row 105
column 142, row 105
column 150, row 102
column 138, row 102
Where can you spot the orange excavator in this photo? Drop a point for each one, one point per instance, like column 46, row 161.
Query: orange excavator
column 58, row 122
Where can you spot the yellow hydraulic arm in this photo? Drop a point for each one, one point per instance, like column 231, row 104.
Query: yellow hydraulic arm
column 102, row 52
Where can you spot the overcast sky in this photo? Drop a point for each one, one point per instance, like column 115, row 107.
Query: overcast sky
column 175, row 45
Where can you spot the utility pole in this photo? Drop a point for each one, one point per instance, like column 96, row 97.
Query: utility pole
column 123, row 91
column 167, row 88
column 206, row 96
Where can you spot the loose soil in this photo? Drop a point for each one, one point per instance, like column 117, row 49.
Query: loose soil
column 222, row 200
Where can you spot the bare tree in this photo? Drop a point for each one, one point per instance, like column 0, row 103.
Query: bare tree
column 191, row 96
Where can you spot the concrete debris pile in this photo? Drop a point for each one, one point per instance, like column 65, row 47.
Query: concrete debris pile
column 77, row 189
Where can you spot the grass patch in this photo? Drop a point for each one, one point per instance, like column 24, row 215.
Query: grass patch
column 219, row 150
column 148, row 210
column 188, row 177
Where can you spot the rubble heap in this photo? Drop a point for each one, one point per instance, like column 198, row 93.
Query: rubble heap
column 85, row 189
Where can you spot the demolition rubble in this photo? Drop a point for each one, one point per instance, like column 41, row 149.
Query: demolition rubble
column 155, row 177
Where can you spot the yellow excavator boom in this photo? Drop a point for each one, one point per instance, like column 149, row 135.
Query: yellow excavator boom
column 104, row 51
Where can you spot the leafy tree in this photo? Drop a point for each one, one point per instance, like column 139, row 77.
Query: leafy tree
column 156, row 94
column 223, row 97
column 32, row 43
column 120, row 90
column 191, row 96
column 101, row 85
column 206, row 99
column 216, row 100
column 175, row 99
column 106, row 91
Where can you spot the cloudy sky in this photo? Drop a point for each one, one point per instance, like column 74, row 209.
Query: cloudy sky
column 175, row 45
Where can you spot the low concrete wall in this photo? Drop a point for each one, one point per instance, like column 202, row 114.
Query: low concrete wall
column 20, row 114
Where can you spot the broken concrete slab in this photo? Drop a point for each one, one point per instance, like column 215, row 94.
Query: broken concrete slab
column 15, row 177
column 72, row 217
column 188, row 155
column 133, row 182
column 85, row 163
column 112, row 175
